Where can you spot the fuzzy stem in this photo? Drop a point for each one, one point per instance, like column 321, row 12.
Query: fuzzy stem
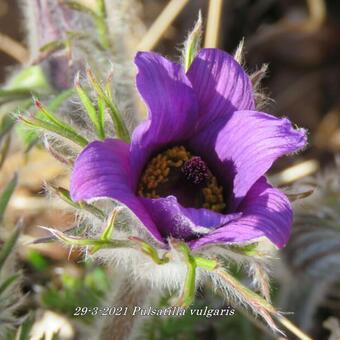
column 100, row 21
column 128, row 295
column 67, row 133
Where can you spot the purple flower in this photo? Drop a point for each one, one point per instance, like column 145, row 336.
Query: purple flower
column 195, row 168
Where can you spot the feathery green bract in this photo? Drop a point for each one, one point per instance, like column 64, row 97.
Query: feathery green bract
column 30, row 137
column 50, row 116
column 149, row 250
column 108, row 231
column 189, row 289
column 67, row 133
column 97, row 118
column 6, row 194
column 64, row 194
column 193, row 43
column 120, row 127
column 77, row 241
column 101, row 114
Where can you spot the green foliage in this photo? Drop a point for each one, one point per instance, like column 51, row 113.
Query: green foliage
column 6, row 124
column 8, row 276
column 97, row 118
column 105, row 96
column 196, row 327
column 23, row 332
column 6, row 194
column 98, row 15
column 37, row 260
column 27, row 81
column 85, row 290
column 55, row 126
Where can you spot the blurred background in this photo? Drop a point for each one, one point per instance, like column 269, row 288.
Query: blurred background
column 300, row 41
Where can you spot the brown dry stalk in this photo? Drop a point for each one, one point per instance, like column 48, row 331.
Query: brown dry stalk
column 163, row 21
column 13, row 48
column 317, row 13
column 213, row 24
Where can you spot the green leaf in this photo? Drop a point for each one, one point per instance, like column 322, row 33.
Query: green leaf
column 8, row 282
column 37, row 260
column 8, row 246
column 23, row 333
column 4, row 150
column 15, row 93
column 7, row 122
column 26, row 82
column 28, row 79
column 6, row 195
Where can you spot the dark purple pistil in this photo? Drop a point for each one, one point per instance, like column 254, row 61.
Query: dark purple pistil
column 195, row 170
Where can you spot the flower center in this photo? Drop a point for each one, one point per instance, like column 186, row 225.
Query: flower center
column 195, row 170
column 177, row 172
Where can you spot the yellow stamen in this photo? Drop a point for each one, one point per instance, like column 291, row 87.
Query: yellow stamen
column 158, row 171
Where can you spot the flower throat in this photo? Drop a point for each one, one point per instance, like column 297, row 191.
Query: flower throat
column 177, row 172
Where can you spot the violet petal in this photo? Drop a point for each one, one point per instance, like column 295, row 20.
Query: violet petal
column 266, row 212
column 221, row 85
column 174, row 220
column 243, row 147
column 102, row 170
column 172, row 107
